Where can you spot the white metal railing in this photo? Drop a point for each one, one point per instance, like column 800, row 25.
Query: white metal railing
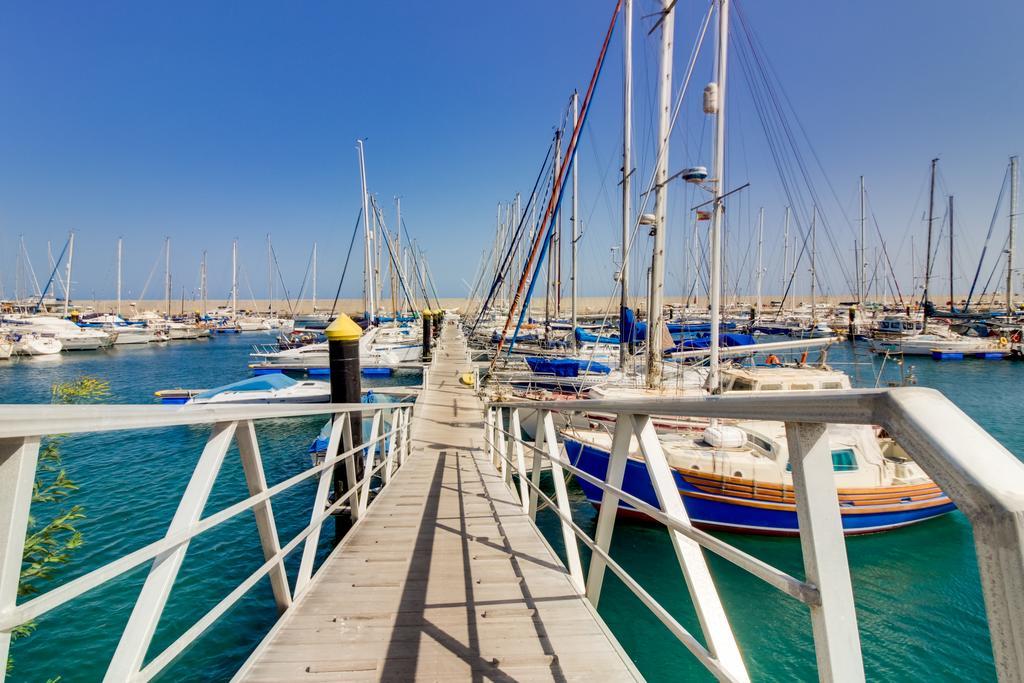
column 977, row 473
column 23, row 427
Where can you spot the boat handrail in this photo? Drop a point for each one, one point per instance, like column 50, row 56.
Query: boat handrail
column 975, row 471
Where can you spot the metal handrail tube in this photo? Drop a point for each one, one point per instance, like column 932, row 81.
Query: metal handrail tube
column 199, row 627
column 58, row 596
column 18, row 421
column 786, row 583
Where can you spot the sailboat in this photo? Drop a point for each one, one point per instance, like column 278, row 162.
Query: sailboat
column 736, row 475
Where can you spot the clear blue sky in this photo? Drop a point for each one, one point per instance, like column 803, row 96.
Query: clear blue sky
column 210, row 121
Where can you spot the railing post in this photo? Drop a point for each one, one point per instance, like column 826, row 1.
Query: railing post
column 18, row 459
column 609, row 504
column 389, row 458
column 713, row 620
column 408, row 431
column 517, row 445
column 834, row 621
column 138, row 632
column 371, row 459
column 348, row 442
column 499, row 438
column 339, row 428
column 538, row 446
column 256, row 481
column 489, row 432
column 402, row 435
column 572, row 548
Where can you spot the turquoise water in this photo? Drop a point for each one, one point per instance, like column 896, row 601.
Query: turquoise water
column 919, row 604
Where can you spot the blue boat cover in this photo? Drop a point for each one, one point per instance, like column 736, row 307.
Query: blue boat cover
column 584, row 336
column 565, row 367
column 627, row 324
column 260, row 383
column 730, row 339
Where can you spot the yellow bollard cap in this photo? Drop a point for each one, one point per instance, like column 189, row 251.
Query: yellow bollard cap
column 343, row 329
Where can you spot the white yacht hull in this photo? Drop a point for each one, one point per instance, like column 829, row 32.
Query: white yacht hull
column 31, row 345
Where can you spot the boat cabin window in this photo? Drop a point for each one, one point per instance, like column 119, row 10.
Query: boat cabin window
column 831, row 385
column 770, row 387
column 741, row 384
column 801, row 387
column 843, row 460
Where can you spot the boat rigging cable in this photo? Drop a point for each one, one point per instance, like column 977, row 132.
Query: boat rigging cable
column 351, row 243
column 559, row 187
column 415, row 262
column 280, row 277
column 991, row 226
column 392, row 256
column 509, row 257
column 305, row 276
column 771, row 111
column 885, row 250
column 56, row 266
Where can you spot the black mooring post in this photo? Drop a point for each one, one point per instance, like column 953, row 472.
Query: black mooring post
column 343, row 355
column 427, row 335
column 852, row 326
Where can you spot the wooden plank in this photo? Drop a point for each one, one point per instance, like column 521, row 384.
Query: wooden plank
column 446, row 577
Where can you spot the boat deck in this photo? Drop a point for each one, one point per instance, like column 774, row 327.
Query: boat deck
column 445, row 578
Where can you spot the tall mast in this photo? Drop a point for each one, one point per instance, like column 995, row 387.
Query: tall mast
column 862, row 288
column 627, row 164
column 368, row 302
column 398, row 237
column 785, row 253
column 555, row 260
column 657, row 286
column 202, row 283
column 814, row 308
column 718, row 175
column 760, row 271
column 1013, row 229
column 951, row 299
column 517, row 213
column 695, row 257
column 67, row 288
column 270, row 277
column 167, row 273
column 575, row 215
column 928, row 246
column 495, row 266
column 118, row 276
column 314, row 277
column 234, row 278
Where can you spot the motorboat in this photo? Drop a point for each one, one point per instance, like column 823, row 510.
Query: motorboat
column 275, row 388
column 940, row 345
column 378, row 346
column 6, row 347
column 126, row 333
column 32, row 344
column 71, row 336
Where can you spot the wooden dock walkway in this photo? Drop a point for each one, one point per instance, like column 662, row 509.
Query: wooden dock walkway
column 445, row 578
